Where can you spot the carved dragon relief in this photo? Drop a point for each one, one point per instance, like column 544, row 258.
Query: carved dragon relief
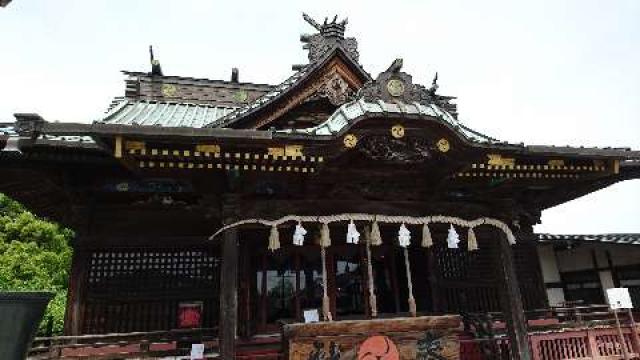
column 408, row 150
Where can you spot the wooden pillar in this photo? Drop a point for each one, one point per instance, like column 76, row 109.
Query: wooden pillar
column 434, row 283
column 80, row 217
column 511, row 301
column 228, row 294
column 75, row 293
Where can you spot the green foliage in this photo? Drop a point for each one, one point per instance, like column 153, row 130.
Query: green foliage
column 34, row 255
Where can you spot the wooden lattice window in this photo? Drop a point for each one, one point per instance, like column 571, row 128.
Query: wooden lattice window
column 141, row 289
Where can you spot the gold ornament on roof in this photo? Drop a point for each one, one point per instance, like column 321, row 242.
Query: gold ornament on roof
column 443, row 145
column 240, row 96
column 169, row 90
column 395, row 87
column 397, row 131
column 498, row 160
column 350, row 141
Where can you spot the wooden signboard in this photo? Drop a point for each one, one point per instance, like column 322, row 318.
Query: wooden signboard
column 426, row 337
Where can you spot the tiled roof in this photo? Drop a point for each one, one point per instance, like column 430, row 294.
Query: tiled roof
column 162, row 113
column 629, row 239
column 7, row 130
column 67, row 138
column 264, row 99
column 353, row 110
column 291, row 82
column 178, row 89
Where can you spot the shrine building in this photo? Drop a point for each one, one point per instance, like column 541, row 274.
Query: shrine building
column 238, row 209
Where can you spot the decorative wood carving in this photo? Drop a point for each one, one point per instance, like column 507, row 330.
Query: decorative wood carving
column 428, row 337
column 410, row 150
column 336, row 89
column 394, row 85
column 335, row 69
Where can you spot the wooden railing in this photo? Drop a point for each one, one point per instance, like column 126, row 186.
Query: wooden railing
column 602, row 343
column 596, row 343
column 108, row 346
column 574, row 340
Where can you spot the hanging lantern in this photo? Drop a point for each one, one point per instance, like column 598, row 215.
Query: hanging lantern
column 274, row 239
column 298, row 235
column 427, row 241
column 376, row 238
column 325, row 237
column 353, row 236
column 452, row 238
column 404, row 236
column 472, row 242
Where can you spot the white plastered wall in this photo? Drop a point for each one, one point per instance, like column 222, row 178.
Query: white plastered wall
column 550, row 274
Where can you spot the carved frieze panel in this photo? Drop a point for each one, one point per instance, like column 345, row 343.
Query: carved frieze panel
column 408, row 150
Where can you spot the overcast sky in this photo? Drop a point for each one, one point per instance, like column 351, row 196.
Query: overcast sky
column 540, row 72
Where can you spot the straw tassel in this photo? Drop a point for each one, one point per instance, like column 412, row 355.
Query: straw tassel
column 274, row 239
column 427, row 240
column 376, row 238
column 472, row 242
column 325, row 235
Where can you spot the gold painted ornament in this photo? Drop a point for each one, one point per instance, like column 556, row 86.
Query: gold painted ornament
column 397, row 131
column 350, row 141
column 395, row 87
column 169, row 90
column 443, row 145
column 240, row 96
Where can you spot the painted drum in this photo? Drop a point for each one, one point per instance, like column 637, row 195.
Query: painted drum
column 378, row 348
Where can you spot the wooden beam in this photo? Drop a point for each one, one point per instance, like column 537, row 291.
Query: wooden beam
column 228, row 294
column 511, row 301
column 373, row 326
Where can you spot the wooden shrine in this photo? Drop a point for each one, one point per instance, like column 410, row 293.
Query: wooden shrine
column 235, row 207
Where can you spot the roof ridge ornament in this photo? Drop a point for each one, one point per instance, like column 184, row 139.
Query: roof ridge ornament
column 156, row 69
column 330, row 35
column 396, row 86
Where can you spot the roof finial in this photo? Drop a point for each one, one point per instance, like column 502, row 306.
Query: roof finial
column 311, row 22
column 333, row 29
column 434, row 84
column 155, row 64
column 395, row 66
column 330, row 34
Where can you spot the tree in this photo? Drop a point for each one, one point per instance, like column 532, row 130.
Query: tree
column 34, row 255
